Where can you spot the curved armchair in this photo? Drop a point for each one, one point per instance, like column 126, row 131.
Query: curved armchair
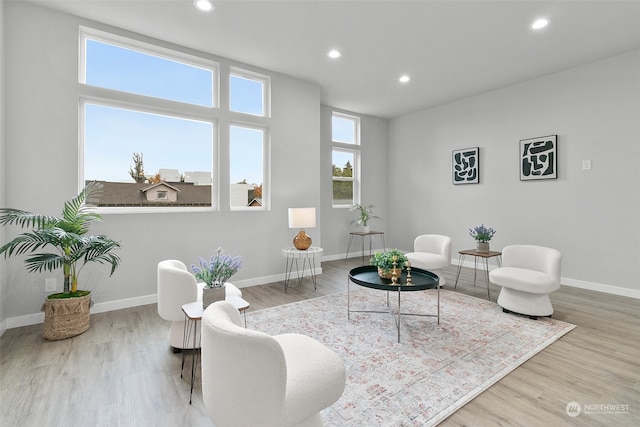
column 431, row 252
column 528, row 275
column 250, row 378
column 176, row 287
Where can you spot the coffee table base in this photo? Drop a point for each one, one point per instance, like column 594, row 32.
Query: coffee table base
column 397, row 314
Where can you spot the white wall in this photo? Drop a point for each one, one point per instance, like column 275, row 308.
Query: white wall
column 590, row 216
column 42, row 148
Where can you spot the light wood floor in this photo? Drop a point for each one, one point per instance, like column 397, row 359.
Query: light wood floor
column 122, row 373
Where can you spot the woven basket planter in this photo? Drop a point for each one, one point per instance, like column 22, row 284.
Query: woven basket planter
column 66, row 318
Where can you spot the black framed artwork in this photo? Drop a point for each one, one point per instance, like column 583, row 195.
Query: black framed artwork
column 539, row 158
column 466, row 166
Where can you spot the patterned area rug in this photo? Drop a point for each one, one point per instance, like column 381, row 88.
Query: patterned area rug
column 432, row 372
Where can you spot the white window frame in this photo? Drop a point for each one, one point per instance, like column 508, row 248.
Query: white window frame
column 149, row 49
column 145, row 109
column 357, row 156
column 356, row 128
column 148, row 104
column 266, row 85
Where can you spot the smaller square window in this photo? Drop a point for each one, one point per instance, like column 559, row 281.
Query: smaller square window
column 345, row 129
column 161, row 195
column 248, row 93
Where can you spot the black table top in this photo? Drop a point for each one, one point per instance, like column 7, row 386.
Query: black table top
column 367, row 276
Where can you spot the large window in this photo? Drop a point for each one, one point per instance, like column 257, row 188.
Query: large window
column 345, row 156
column 130, row 151
column 150, row 118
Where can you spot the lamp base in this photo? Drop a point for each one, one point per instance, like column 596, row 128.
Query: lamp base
column 302, row 241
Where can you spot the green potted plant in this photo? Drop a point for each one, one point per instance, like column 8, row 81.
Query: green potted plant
column 385, row 262
column 482, row 235
column 215, row 274
column 365, row 215
column 66, row 313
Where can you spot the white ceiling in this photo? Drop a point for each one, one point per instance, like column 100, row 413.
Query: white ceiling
column 451, row 49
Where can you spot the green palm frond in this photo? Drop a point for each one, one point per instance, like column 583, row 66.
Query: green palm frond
column 78, row 212
column 26, row 219
column 49, row 262
column 28, row 242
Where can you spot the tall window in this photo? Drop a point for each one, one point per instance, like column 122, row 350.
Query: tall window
column 247, row 146
column 248, row 142
column 345, row 156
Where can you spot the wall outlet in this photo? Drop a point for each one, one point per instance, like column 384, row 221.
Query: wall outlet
column 50, row 285
column 586, row 165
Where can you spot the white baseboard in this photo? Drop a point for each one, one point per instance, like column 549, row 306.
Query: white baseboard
column 575, row 283
column 599, row 287
column 36, row 318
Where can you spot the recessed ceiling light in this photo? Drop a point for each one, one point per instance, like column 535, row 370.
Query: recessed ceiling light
column 204, row 5
column 334, row 54
column 540, row 23
column 404, row 79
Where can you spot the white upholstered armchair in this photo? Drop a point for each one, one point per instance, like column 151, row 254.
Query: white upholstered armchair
column 176, row 287
column 250, row 378
column 528, row 275
column 431, row 252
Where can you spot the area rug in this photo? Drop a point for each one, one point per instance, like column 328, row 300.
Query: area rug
column 432, row 372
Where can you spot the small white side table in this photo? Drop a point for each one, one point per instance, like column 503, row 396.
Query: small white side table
column 193, row 312
column 292, row 256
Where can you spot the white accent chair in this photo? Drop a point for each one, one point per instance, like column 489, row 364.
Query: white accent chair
column 250, row 378
column 431, row 252
column 528, row 275
column 176, row 287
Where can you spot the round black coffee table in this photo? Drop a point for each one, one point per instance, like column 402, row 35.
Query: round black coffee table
column 368, row 277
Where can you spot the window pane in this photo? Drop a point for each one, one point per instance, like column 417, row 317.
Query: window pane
column 342, row 177
column 342, row 163
column 170, row 157
column 343, row 193
column 343, row 129
column 246, row 95
column 128, row 70
column 246, row 150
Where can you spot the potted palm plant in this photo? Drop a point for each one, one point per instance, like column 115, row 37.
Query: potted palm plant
column 66, row 313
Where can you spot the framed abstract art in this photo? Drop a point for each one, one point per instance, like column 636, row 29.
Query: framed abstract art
column 539, row 158
column 466, row 166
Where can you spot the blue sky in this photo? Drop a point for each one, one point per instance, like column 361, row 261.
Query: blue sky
column 112, row 135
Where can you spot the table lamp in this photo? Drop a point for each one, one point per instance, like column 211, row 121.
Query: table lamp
column 302, row 218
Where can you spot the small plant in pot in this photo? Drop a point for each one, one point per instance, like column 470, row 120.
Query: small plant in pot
column 66, row 313
column 482, row 235
column 365, row 215
column 385, row 262
column 215, row 274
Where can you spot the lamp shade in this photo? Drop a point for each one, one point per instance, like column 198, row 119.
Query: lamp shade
column 302, row 217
